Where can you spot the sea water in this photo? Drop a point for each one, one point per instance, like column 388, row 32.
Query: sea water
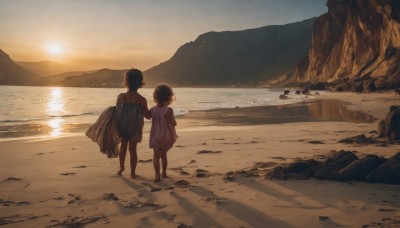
column 56, row 107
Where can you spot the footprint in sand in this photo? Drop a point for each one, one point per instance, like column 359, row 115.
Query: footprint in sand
column 79, row 221
column 209, row 152
column 146, row 161
column 67, row 174
column 191, row 162
column 13, row 184
column 8, row 203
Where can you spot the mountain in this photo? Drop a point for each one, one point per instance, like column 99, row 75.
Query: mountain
column 56, row 79
column 14, row 74
column 45, row 68
column 356, row 43
column 250, row 57
column 101, row 78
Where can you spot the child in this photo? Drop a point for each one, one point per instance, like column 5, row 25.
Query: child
column 162, row 133
column 130, row 109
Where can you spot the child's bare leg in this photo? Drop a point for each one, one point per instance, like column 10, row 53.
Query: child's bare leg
column 133, row 159
column 156, row 164
column 164, row 163
column 122, row 155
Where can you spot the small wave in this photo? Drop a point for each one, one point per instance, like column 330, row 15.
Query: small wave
column 18, row 121
column 73, row 115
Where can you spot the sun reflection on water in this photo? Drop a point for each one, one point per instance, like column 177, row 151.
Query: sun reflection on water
column 55, row 109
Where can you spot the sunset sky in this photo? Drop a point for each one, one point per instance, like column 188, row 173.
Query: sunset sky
column 118, row 34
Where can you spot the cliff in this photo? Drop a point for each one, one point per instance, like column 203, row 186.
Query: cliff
column 243, row 58
column 356, row 41
column 14, row 74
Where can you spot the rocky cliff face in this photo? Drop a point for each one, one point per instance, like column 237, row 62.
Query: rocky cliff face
column 356, row 40
column 243, row 58
column 13, row 74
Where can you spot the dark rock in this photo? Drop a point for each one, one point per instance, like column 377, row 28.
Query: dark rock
column 389, row 127
column 369, row 86
column 330, row 168
column 359, row 139
column 357, row 87
column 298, row 170
column 388, row 173
column 298, row 92
column 286, row 92
column 283, row 97
column 306, row 90
column 358, row 169
column 341, row 87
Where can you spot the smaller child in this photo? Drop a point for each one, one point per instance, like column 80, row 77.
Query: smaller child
column 162, row 133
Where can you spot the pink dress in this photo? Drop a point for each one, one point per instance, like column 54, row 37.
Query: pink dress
column 162, row 134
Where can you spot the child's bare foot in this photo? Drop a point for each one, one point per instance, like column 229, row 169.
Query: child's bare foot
column 120, row 171
column 157, row 179
column 133, row 176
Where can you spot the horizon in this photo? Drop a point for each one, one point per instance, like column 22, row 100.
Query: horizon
column 72, row 32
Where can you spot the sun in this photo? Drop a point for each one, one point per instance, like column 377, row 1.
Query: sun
column 55, row 49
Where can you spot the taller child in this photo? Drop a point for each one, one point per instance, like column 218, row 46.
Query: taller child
column 130, row 109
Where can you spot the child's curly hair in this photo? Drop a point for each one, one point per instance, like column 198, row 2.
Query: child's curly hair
column 163, row 94
column 133, row 79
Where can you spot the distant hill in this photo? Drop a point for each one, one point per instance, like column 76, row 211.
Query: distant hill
column 56, row 79
column 101, row 78
column 251, row 57
column 45, row 68
column 14, row 74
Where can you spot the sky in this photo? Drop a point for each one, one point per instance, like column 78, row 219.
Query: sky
column 119, row 34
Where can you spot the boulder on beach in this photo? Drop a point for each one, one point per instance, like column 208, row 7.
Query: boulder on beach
column 358, row 169
column 299, row 170
column 359, row 139
column 388, row 173
column 306, row 91
column 330, row 169
column 286, row 92
column 389, row 127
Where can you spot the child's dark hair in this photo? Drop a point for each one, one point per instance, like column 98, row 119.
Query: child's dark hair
column 163, row 94
column 134, row 79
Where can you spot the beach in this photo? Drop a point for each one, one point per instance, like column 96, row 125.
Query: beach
column 68, row 182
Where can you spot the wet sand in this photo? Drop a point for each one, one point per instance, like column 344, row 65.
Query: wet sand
column 68, row 182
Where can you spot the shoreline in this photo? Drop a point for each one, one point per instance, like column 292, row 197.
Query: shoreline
column 319, row 108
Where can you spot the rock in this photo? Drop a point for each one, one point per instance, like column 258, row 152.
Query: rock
column 306, row 91
column 358, row 169
column 359, row 139
column 297, row 170
column 286, row 92
column 357, row 87
column 110, row 197
column 341, row 87
column 388, row 173
column 329, row 170
column 369, row 85
column 298, row 92
column 283, row 97
column 389, row 127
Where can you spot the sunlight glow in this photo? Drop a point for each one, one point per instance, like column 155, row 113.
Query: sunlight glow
column 55, row 49
column 55, row 108
column 56, row 126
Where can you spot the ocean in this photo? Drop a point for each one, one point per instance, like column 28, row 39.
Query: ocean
column 55, row 111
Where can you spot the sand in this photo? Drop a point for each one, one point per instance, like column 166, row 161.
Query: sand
column 67, row 182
